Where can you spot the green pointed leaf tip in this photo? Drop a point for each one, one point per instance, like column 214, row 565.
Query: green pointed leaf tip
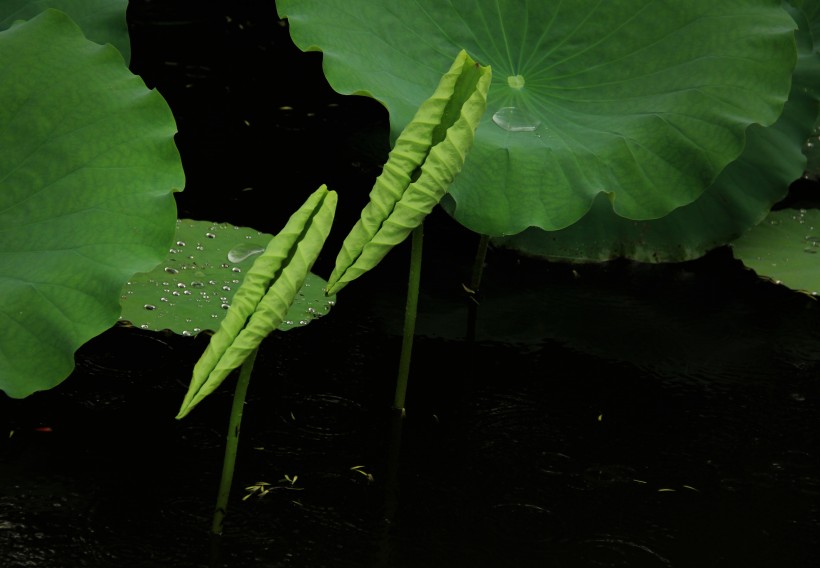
column 88, row 168
column 263, row 299
column 425, row 159
column 644, row 101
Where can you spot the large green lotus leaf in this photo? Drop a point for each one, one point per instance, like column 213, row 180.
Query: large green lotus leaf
column 643, row 101
column 102, row 21
column 740, row 198
column 87, row 174
column 193, row 288
column 785, row 248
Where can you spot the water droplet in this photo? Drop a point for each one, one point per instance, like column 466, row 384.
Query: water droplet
column 172, row 251
column 303, row 322
column 186, row 293
column 515, row 120
column 175, row 293
column 186, row 333
column 197, row 284
column 144, row 326
column 163, row 299
column 200, row 247
column 210, row 235
column 214, row 316
column 225, row 306
column 226, row 288
column 170, row 270
column 236, row 269
column 150, row 307
column 180, row 285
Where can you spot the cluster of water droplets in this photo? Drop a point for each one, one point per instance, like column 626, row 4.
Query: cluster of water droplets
column 193, row 289
column 811, row 149
column 197, row 280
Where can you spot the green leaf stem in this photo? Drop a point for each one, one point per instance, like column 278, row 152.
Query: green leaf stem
column 262, row 301
column 425, row 159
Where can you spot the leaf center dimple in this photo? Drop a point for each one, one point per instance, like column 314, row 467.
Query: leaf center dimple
column 516, row 81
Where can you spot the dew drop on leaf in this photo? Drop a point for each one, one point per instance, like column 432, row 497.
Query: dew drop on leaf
column 514, row 119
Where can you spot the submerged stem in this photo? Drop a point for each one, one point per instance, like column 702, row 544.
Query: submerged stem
column 231, row 444
column 410, row 311
column 475, row 284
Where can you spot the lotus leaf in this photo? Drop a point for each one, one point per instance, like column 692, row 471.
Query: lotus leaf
column 740, row 197
column 102, row 21
column 641, row 102
column 87, row 175
column 785, row 248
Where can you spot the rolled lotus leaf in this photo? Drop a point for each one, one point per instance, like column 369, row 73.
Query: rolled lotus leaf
column 425, row 159
column 262, row 301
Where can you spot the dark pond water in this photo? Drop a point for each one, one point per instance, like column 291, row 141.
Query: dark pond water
column 607, row 416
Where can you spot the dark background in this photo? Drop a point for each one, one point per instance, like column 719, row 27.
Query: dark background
column 613, row 415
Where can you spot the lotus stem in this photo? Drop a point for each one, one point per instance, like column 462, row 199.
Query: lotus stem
column 475, row 284
column 231, row 444
column 410, row 311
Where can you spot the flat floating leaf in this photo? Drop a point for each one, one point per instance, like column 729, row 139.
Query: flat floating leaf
column 87, row 174
column 192, row 289
column 786, row 248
